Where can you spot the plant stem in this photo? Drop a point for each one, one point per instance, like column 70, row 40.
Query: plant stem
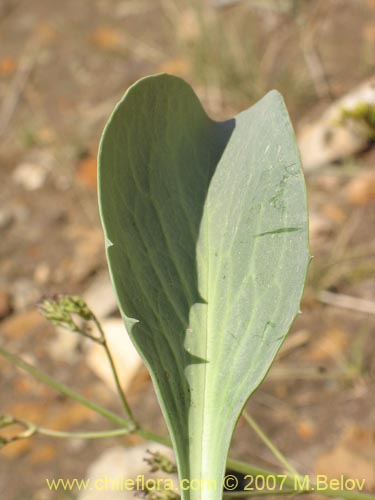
column 114, row 371
column 290, row 482
column 249, row 469
column 277, row 453
column 66, row 391
column 246, row 494
column 235, row 465
column 151, row 436
column 31, row 429
column 82, row 332
column 81, row 435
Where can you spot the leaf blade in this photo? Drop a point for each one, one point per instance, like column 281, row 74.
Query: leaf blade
column 196, row 211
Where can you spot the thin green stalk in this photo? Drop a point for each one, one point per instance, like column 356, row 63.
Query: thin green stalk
column 277, row 453
column 61, row 310
column 83, row 333
column 31, row 429
column 247, row 494
column 66, row 391
column 235, row 465
column 81, row 435
column 290, row 482
column 347, row 495
column 151, row 436
column 249, row 469
column 114, row 371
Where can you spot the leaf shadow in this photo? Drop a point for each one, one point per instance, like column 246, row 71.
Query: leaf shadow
column 160, row 152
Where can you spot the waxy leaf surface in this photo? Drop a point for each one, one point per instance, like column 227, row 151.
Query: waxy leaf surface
column 206, row 229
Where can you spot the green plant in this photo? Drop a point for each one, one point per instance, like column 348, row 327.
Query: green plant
column 206, row 235
column 364, row 114
column 206, row 229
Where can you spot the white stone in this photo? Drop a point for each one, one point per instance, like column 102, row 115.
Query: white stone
column 118, row 464
column 125, row 356
column 30, row 176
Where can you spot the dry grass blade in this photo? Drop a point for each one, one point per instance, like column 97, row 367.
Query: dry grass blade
column 347, row 302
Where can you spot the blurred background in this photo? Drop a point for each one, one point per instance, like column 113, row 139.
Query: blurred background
column 63, row 66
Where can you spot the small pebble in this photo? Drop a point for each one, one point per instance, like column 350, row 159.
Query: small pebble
column 30, row 176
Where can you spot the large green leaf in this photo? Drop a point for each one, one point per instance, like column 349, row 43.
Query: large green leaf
column 206, row 228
